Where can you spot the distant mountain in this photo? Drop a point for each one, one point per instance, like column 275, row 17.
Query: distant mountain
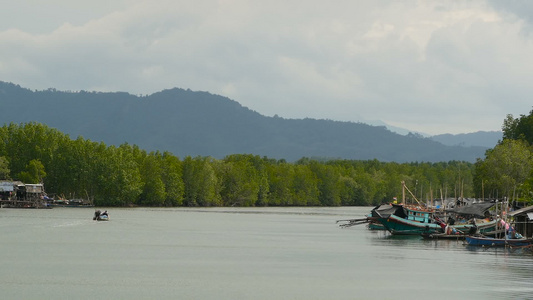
column 487, row 139
column 202, row 124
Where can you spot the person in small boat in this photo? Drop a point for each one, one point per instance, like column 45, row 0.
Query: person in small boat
column 105, row 214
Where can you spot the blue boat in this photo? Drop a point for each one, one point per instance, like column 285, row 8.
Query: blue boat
column 493, row 242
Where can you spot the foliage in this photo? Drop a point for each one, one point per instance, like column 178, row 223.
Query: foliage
column 4, row 168
column 127, row 175
column 519, row 128
column 507, row 170
column 506, row 167
column 34, row 172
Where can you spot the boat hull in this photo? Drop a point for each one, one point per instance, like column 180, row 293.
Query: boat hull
column 492, row 242
column 376, row 226
column 443, row 236
column 401, row 226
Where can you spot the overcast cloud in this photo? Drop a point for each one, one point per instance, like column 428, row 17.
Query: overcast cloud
column 428, row 66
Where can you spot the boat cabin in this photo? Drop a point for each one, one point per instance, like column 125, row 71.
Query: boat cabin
column 418, row 215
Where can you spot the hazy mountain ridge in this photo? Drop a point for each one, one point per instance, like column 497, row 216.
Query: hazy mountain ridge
column 192, row 123
column 487, row 139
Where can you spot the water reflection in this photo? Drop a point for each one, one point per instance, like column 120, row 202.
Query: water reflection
column 481, row 272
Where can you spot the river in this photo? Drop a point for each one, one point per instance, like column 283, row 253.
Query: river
column 241, row 253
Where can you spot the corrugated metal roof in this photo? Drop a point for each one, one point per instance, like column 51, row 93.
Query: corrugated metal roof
column 6, row 186
column 521, row 211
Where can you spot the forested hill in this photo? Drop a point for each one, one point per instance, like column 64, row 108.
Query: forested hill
column 188, row 123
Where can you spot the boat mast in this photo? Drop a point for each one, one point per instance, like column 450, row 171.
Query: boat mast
column 403, row 193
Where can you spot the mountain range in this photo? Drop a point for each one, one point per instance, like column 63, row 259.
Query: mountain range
column 192, row 123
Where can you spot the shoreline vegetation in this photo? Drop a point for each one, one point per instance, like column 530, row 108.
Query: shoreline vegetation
column 126, row 175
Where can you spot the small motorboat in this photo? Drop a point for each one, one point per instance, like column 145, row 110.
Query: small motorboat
column 494, row 242
column 101, row 216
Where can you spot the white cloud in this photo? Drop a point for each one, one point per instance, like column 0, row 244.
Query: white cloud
column 430, row 66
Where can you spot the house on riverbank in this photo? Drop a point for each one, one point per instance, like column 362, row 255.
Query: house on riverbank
column 20, row 195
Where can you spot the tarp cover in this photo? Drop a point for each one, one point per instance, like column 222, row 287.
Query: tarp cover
column 476, row 209
column 385, row 210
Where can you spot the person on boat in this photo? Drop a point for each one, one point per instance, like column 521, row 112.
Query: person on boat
column 473, row 229
column 443, row 226
column 451, row 221
column 105, row 214
column 512, row 234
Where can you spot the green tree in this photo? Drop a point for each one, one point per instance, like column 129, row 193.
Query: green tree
column 172, row 178
column 328, row 183
column 520, row 128
column 280, row 178
column 4, row 168
column 506, row 167
column 154, row 193
column 305, row 186
column 200, row 182
column 34, row 172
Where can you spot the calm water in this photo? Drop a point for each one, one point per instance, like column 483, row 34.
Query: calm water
column 250, row 253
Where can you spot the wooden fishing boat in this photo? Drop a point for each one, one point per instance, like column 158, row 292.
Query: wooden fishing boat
column 494, row 242
column 409, row 220
column 413, row 221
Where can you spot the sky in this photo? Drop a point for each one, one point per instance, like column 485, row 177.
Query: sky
column 427, row 66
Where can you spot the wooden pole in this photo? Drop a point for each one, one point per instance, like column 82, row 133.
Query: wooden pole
column 403, row 192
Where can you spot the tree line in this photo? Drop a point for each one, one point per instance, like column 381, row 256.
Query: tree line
column 126, row 175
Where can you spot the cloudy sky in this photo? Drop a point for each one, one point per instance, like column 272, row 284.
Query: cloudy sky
column 428, row 66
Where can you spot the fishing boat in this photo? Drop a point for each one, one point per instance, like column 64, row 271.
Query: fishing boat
column 410, row 220
column 101, row 216
column 494, row 242
column 400, row 219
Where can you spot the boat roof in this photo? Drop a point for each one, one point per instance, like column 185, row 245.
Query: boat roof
column 476, row 209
